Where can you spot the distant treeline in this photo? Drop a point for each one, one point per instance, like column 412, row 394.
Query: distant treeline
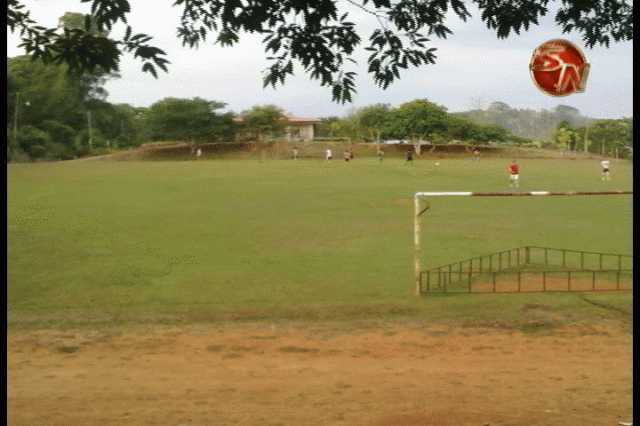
column 54, row 116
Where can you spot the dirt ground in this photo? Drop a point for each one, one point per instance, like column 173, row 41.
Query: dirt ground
column 400, row 373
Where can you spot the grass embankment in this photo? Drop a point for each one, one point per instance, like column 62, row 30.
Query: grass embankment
column 201, row 241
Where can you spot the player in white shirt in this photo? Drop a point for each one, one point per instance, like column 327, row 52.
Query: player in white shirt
column 605, row 170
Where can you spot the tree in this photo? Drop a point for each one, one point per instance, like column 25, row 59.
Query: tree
column 266, row 120
column 500, row 114
column 499, row 107
column 326, row 128
column 187, row 120
column 314, row 33
column 349, row 126
column 33, row 141
column 459, row 128
column 373, row 119
column 417, row 120
column 566, row 136
column 63, row 137
column 77, row 21
column 569, row 114
column 43, row 92
column 46, row 96
column 489, row 133
column 125, row 125
column 608, row 135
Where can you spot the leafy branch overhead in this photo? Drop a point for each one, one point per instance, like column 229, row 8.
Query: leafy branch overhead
column 315, row 34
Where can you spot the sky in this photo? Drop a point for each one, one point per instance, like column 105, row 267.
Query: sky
column 473, row 68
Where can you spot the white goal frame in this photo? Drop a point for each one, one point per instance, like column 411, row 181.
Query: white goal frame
column 423, row 195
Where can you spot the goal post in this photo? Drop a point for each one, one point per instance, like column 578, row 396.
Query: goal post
column 418, row 210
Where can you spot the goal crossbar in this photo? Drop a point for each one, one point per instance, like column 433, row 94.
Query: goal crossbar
column 503, row 194
column 419, row 195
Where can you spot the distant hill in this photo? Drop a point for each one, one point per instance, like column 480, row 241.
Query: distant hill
column 527, row 123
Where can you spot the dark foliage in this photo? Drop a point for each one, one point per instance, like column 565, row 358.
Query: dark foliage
column 313, row 33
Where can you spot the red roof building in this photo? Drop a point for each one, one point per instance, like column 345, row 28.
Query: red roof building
column 297, row 128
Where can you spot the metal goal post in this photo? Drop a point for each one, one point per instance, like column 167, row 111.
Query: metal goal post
column 418, row 210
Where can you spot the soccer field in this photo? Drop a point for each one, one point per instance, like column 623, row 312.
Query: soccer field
column 154, row 236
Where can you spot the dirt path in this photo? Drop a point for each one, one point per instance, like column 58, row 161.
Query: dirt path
column 364, row 374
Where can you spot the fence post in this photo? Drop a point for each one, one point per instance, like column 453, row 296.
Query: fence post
column 568, row 280
column 564, row 258
column 519, row 274
column 470, row 270
column 618, row 281
column 544, row 281
column 581, row 260
column 546, row 261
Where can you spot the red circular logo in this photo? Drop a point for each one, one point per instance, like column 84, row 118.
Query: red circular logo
column 559, row 68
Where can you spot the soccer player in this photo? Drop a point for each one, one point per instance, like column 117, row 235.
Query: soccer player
column 329, row 155
column 346, row 155
column 514, row 173
column 605, row 169
column 410, row 156
column 380, row 154
column 295, row 153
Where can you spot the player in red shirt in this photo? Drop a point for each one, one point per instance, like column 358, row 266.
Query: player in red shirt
column 514, row 173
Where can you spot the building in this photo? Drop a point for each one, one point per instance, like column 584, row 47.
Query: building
column 300, row 128
column 296, row 128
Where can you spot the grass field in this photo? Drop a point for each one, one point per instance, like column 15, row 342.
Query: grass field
column 214, row 240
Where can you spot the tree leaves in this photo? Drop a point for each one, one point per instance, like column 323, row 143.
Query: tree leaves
column 389, row 55
column 315, row 33
column 187, row 119
column 263, row 120
column 504, row 15
column 598, row 21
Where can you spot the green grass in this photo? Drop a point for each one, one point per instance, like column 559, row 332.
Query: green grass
column 233, row 240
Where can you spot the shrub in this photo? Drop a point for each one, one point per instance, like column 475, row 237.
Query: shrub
column 33, row 141
column 121, row 141
column 60, row 133
column 58, row 151
column 98, row 140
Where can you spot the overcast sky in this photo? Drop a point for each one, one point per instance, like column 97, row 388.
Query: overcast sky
column 473, row 68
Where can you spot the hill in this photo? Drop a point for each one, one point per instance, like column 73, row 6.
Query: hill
column 527, row 123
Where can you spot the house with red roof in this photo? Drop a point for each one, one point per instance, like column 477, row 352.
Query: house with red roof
column 296, row 128
column 300, row 128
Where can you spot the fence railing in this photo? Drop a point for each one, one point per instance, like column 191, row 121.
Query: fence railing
column 498, row 267
column 577, row 259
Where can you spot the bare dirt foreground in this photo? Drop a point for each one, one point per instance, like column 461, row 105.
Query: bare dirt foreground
column 401, row 373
